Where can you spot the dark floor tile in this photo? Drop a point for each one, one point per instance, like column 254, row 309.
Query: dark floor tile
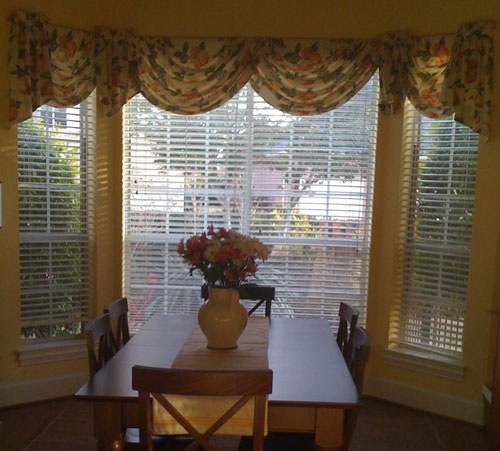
column 21, row 425
column 388, row 427
column 72, row 425
column 457, row 436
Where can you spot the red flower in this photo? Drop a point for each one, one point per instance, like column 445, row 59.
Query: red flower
column 251, row 267
column 181, row 248
column 192, row 244
column 223, row 233
column 195, row 258
column 211, row 230
column 203, row 242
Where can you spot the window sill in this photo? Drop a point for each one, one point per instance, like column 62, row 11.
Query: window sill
column 441, row 366
column 38, row 353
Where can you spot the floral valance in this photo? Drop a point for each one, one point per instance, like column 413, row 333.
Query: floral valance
column 441, row 75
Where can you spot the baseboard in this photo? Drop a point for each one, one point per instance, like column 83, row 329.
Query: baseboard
column 40, row 389
column 463, row 409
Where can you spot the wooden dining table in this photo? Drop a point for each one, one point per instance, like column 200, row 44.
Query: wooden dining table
column 311, row 383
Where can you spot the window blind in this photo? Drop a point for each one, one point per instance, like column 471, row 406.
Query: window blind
column 438, row 204
column 55, row 180
column 302, row 185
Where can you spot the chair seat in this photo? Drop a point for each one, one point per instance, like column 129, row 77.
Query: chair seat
column 282, row 441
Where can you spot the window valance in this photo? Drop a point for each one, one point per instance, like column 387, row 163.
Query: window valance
column 441, row 75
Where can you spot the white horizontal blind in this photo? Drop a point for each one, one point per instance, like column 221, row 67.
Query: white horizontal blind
column 55, row 176
column 303, row 185
column 438, row 193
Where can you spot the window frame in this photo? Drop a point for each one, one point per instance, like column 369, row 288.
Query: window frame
column 128, row 236
column 81, row 155
column 400, row 352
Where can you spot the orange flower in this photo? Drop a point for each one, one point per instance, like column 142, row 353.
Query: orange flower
column 190, row 95
column 247, row 59
column 471, row 70
column 115, row 76
column 343, row 52
column 367, row 62
column 431, row 97
column 311, row 55
column 199, row 56
column 12, row 109
column 66, row 49
column 440, row 54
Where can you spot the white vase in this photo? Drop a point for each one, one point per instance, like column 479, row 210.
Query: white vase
column 222, row 318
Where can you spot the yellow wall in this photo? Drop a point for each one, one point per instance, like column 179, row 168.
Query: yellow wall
column 290, row 18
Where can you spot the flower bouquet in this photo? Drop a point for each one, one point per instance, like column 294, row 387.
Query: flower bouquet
column 225, row 258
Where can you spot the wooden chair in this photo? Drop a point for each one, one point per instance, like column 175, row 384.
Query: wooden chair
column 99, row 328
column 283, row 441
column 361, row 345
column 159, row 381
column 348, row 318
column 262, row 294
column 119, row 310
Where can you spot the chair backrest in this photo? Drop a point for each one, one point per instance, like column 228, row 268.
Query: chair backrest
column 361, row 344
column 261, row 294
column 348, row 318
column 159, row 381
column 119, row 310
column 99, row 328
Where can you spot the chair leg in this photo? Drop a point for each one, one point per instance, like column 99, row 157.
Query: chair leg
column 258, row 423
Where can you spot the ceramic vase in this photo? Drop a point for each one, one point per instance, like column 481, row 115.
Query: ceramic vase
column 222, row 318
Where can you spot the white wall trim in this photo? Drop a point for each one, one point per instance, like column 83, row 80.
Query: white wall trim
column 40, row 389
column 420, row 361
column 54, row 351
column 451, row 406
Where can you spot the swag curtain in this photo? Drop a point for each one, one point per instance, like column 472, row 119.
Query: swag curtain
column 441, row 75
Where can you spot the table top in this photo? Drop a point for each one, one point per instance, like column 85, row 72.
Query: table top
column 308, row 367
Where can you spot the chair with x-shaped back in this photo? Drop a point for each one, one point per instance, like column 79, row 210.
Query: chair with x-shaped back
column 262, row 294
column 159, row 381
column 348, row 318
column 99, row 329
column 118, row 310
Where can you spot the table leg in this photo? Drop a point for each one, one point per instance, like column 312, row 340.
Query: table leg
column 329, row 429
column 108, row 428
